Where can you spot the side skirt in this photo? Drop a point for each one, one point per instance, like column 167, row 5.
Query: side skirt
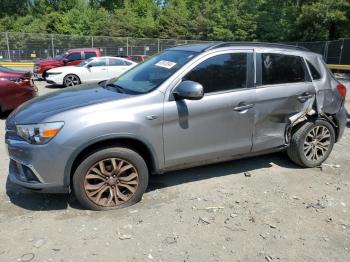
column 219, row 160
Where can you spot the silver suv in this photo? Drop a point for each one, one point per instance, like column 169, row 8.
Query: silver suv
column 187, row 106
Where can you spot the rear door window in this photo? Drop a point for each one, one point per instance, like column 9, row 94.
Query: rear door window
column 74, row 57
column 89, row 54
column 282, row 69
column 221, row 73
column 116, row 62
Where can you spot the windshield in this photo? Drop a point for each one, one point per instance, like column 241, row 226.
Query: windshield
column 149, row 75
column 85, row 62
column 60, row 57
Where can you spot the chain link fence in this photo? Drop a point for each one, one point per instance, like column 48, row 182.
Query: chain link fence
column 28, row 46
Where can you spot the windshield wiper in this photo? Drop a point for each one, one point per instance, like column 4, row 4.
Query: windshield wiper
column 119, row 88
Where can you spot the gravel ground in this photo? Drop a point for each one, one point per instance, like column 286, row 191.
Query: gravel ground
column 258, row 209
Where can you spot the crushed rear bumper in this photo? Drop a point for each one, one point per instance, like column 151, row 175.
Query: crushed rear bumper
column 341, row 120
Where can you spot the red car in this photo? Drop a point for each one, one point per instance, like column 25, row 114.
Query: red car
column 136, row 58
column 14, row 75
column 71, row 57
column 15, row 92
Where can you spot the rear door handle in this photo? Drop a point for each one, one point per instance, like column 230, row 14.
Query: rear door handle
column 243, row 106
column 304, row 97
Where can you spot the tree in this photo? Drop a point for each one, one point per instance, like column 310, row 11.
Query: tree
column 323, row 19
column 14, row 7
column 173, row 20
column 228, row 20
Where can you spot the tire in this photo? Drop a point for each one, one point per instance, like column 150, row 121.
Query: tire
column 88, row 182
column 43, row 76
column 313, row 136
column 71, row 80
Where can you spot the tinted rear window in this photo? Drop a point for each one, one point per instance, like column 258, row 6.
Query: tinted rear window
column 116, row 62
column 315, row 74
column 74, row 57
column 282, row 69
column 89, row 55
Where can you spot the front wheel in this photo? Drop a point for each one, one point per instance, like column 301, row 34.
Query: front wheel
column 110, row 178
column 312, row 143
column 71, row 80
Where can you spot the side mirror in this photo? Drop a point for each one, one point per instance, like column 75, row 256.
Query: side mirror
column 189, row 90
column 89, row 65
column 65, row 61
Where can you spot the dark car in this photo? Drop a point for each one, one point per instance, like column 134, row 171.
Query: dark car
column 15, row 92
column 69, row 58
column 14, row 75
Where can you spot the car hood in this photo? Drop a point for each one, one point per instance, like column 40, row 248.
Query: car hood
column 40, row 108
column 64, row 69
column 15, row 73
column 48, row 62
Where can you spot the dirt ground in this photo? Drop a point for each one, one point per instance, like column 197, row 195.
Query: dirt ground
column 258, row 209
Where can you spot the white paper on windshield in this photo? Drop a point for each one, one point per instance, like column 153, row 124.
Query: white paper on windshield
column 166, row 64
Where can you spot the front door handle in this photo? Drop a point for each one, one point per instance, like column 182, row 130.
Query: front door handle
column 242, row 107
column 304, row 97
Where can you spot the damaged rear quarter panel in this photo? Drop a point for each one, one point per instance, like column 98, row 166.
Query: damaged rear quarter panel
column 328, row 99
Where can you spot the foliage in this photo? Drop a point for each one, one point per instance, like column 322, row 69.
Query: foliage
column 230, row 20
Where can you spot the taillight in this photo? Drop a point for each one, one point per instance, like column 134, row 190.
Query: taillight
column 341, row 89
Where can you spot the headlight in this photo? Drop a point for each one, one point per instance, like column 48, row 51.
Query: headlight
column 39, row 133
column 53, row 73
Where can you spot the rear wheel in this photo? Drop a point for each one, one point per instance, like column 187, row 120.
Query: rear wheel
column 312, row 143
column 111, row 178
column 71, row 80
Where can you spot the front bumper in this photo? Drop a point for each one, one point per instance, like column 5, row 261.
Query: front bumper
column 54, row 79
column 37, row 167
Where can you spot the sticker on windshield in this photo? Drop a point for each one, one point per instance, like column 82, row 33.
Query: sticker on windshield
column 166, row 64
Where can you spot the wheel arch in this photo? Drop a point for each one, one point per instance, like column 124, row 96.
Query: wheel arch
column 139, row 146
column 332, row 119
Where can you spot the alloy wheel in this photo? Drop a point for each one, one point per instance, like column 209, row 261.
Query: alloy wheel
column 71, row 80
column 111, row 182
column 317, row 143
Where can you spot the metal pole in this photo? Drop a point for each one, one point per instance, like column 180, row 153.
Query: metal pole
column 53, row 47
column 127, row 46
column 8, row 45
column 326, row 51
column 341, row 52
column 158, row 46
column 92, row 41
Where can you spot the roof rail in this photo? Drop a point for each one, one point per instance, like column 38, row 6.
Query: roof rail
column 258, row 44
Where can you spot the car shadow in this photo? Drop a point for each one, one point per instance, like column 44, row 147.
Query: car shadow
column 35, row 201
column 230, row 168
column 54, row 86
column 46, row 202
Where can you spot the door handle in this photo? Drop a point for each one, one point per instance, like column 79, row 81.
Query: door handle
column 304, row 97
column 104, row 69
column 243, row 106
